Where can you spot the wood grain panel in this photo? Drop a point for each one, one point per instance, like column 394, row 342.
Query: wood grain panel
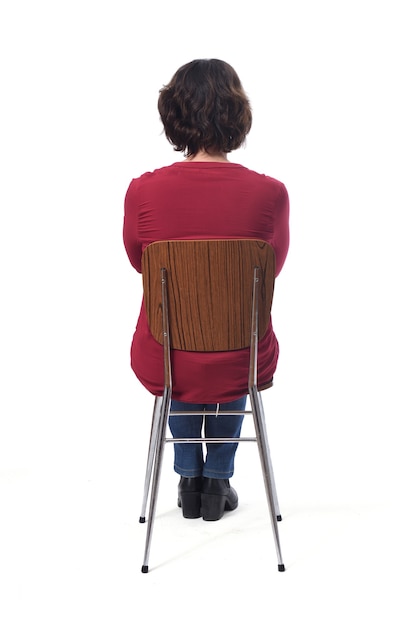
column 209, row 291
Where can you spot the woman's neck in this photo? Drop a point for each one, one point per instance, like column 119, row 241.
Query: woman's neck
column 202, row 155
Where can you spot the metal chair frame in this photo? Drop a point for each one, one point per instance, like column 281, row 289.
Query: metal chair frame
column 162, row 411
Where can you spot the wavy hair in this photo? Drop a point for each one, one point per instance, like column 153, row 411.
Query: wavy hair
column 204, row 107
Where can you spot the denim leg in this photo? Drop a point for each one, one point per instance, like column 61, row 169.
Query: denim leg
column 188, row 457
column 220, row 456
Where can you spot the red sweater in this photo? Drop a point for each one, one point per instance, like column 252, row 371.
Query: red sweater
column 203, row 200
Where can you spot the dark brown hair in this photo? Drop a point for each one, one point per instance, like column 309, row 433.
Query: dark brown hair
column 204, row 107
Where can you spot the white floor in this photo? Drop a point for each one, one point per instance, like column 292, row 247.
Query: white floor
column 72, row 547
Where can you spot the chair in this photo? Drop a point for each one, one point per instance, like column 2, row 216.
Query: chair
column 208, row 295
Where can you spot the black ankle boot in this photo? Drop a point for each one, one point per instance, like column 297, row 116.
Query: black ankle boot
column 189, row 496
column 217, row 496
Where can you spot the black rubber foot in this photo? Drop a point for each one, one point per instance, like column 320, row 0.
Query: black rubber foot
column 145, row 569
column 142, row 520
column 281, row 568
column 279, row 518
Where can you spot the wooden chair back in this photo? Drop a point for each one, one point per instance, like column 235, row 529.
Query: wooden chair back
column 209, row 284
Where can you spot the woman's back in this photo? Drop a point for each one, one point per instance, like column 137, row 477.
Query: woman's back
column 205, row 199
column 191, row 200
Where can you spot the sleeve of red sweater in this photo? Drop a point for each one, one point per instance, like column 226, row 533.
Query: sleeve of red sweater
column 131, row 240
column 281, row 238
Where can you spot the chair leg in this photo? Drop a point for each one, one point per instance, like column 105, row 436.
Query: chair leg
column 159, row 452
column 151, row 456
column 264, row 454
column 271, row 469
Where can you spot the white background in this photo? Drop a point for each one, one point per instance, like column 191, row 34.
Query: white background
column 333, row 90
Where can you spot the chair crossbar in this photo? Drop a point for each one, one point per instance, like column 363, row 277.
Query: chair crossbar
column 204, row 413
column 210, row 439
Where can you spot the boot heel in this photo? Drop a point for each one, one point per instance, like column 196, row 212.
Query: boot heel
column 190, row 504
column 212, row 506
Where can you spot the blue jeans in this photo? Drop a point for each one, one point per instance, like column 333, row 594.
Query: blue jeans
column 188, row 457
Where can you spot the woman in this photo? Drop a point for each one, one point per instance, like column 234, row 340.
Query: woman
column 206, row 115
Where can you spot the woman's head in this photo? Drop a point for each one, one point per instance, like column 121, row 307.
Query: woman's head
column 204, row 107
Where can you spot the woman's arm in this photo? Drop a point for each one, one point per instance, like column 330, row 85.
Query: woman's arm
column 131, row 239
